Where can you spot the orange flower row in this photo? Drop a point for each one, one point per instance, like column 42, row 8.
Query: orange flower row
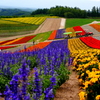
column 96, row 26
column 53, row 35
column 36, row 47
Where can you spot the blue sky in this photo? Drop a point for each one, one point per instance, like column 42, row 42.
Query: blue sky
column 82, row 4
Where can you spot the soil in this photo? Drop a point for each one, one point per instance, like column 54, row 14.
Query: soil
column 70, row 89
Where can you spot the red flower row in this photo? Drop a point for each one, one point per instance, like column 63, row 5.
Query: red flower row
column 91, row 42
column 53, row 35
column 6, row 47
column 1, row 43
column 78, row 28
column 24, row 39
column 37, row 46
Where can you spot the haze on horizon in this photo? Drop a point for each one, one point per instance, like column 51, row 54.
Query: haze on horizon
column 82, row 4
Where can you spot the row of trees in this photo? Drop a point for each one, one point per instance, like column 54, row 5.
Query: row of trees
column 69, row 12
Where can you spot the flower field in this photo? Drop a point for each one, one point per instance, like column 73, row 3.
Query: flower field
column 6, row 47
column 29, row 20
column 18, row 40
column 36, row 72
column 50, row 72
column 71, row 29
column 91, row 42
column 52, row 35
column 96, row 26
column 87, row 64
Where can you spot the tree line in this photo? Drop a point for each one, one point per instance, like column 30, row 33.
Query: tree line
column 69, row 12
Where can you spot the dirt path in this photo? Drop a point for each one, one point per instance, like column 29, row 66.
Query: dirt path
column 68, row 90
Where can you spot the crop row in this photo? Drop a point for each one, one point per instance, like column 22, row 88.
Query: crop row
column 18, row 40
column 29, row 20
column 76, row 45
column 91, row 42
column 96, row 26
column 38, row 46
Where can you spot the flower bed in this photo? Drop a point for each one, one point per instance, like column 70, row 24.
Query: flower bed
column 91, row 42
column 50, row 72
column 18, row 40
column 37, row 46
column 60, row 33
column 76, row 45
column 71, row 30
column 24, row 39
column 78, row 28
column 3, row 42
column 87, row 64
column 53, row 35
column 96, row 26
column 6, row 47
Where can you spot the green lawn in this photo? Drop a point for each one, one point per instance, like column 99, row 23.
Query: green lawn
column 41, row 37
column 78, row 22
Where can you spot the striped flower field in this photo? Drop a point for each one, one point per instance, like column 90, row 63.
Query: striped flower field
column 36, row 72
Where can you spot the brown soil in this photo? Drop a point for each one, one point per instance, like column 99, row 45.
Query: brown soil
column 68, row 90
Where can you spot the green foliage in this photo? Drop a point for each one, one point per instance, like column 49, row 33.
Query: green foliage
column 69, row 15
column 33, row 62
column 62, row 74
column 14, row 68
column 78, row 22
column 45, row 80
column 13, row 12
column 3, row 82
column 41, row 37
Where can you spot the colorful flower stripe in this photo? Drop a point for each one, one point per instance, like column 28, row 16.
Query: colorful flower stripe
column 76, row 45
column 8, row 43
column 71, row 30
column 78, row 28
column 60, row 33
column 3, row 42
column 96, row 26
column 6, row 47
column 36, row 47
column 24, row 39
column 87, row 65
column 91, row 42
column 53, row 35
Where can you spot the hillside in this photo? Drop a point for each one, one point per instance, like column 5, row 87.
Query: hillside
column 13, row 12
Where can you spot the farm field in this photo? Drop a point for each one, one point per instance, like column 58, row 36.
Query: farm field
column 18, row 26
column 64, row 68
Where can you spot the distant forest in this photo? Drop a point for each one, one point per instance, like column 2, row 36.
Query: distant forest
column 69, row 12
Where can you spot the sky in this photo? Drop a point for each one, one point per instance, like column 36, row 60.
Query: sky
column 82, row 4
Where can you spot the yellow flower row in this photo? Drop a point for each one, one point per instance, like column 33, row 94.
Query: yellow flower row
column 71, row 30
column 76, row 45
column 29, row 20
column 87, row 64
